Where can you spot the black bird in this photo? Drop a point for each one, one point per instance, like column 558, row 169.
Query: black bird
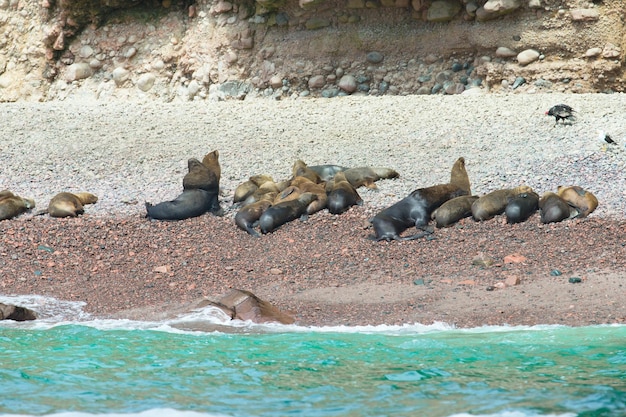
column 561, row 112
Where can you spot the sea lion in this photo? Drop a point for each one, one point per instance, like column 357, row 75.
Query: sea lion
column 66, row 204
column 191, row 203
column 413, row 210
column 554, row 209
column 454, row 210
column 284, row 212
column 367, row 176
column 203, row 176
column 245, row 189
column 248, row 216
column 494, row 203
column 327, row 172
column 300, row 169
column 12, row 205
column 459, row 177
column 578, row 197
column 265, row 188
column 305, row 185
column 342, row 195
column 521, row 207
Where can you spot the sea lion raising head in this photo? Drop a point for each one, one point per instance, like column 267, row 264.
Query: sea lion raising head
column 459, row 177
column 201, row 176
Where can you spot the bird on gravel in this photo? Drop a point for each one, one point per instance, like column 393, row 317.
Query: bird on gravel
column 605, row 138
column 562, row 112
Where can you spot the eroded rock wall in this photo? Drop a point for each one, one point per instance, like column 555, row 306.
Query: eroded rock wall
column 213, row 49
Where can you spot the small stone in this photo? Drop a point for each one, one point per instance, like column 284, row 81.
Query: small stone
column 575, row 280
column 499, row 285
column 276, row 271
column 515, row 258
column 146, row 81
column 120, row 75
column 163, row 269
column 276, row 81
column 512, row 280
column 555, row 273
column 504, row 52
column 467, row 282
column 593, row 52
column 317, row 81
column 374, row 57
column 482, row 260
column 348, row 84
column 78, row 71
column 419, row 281
column 585, row 15
column 519, row 81
column 528, row 56
column 45, row 248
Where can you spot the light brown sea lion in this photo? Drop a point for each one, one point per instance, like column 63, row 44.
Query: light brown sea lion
column 459, row 177
column 12, row 205
column 265, row 188
column 578, row 197
column 305, row 185
column 300, row 169
column 191, row 203
column 284, row 212
column 342, row 195
column 203, row 176
column 554, row 209
column 454, row 210
column 494, row 203
column 66, row 204
column 367, row 176
column 248, row 216
column 521, row 207
column 247, row 188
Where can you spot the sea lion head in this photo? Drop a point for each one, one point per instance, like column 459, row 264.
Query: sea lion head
column 459, row 177
column 86, row 198
column 211, row 161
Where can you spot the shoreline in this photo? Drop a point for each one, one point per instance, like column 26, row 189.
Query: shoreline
column 324, row 270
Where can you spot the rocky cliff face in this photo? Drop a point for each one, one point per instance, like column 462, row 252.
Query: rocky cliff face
column 214, row 49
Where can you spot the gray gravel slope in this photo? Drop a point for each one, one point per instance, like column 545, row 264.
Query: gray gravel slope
column 131, row 152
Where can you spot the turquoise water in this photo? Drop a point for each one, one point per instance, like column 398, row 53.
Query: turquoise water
column 156, row 369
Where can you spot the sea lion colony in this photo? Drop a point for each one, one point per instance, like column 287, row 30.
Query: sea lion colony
column 266, row 204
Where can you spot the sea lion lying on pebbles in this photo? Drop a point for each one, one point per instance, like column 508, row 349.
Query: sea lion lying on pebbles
column 417, row 208
column 191, row 203
column 521, row 207
column 69, row 204
column 342, row 195
column 327, row 172
column 300, row 169
column 307, row 186
column 367, row 176
column 247, row 188
column 579, row 198
column 554, row 209
column 248, row 216
column 454, row 210
column 284, row 212
column 494, row 203
column 12, row 205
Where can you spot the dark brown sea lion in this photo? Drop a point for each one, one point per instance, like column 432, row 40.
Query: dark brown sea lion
column 191, row 203
column 459, row 177
column 454, row 210
column 248, row 216
column 521, row 207
column 69, row 204
column 327, row 172
column 12, row 205
column 367, row 176
column 203, row 175
column 300, row 169
column 494, row 203
column 245, row 189
column 578, row 197
column 342, row 195
column 554, row 209
column 413, row 210
column 284, row 212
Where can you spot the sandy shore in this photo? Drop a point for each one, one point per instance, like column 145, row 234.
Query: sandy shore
column 324, row 270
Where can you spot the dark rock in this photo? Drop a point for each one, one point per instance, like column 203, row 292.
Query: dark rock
column 375, row 57
column 12, row 312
